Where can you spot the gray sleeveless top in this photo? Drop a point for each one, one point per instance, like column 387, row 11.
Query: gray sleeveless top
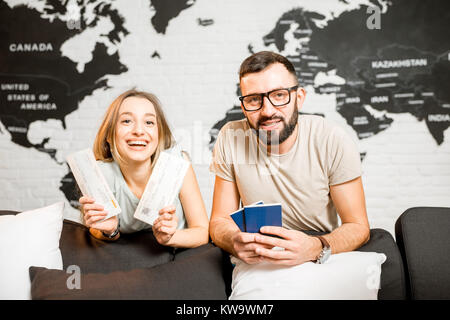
column 128, row 202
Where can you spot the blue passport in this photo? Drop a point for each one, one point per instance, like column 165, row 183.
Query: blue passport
column 252, row 217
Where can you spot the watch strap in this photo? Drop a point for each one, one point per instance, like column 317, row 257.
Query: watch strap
column 325, row 252
column 324, row 241
column 112, row 235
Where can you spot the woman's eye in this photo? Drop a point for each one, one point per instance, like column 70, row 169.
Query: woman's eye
column 149, row 123
column 126, row 121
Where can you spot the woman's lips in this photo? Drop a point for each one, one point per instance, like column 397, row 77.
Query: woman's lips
column 137, row 148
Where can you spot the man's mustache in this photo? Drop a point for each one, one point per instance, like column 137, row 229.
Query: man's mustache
column 264, row 119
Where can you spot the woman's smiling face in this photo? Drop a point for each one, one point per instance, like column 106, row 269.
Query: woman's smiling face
column 136, row 134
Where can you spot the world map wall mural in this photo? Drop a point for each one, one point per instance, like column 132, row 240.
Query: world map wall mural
column 56, row 55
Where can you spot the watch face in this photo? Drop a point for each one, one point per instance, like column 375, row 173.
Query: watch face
column 324, row 255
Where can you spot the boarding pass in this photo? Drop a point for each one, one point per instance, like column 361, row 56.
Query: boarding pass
column 91, row 181
column 163, row 186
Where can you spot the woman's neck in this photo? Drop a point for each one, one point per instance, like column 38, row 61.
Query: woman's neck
column 136, row 176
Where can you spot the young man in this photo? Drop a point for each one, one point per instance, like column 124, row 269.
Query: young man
column 305, row 163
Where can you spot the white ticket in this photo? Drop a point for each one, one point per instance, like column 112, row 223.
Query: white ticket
column 163, row 186
column 91, row 181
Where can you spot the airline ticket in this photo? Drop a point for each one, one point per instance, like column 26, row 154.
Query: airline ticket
column 91, row 181
column 163, row 186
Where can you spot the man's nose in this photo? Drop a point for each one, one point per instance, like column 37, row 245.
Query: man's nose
column 267, row 109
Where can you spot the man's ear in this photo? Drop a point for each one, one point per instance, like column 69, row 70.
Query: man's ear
column 301, row 95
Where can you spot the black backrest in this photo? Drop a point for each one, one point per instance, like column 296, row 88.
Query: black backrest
column 423, row 237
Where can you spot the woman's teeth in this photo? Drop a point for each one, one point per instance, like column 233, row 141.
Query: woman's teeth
column 137, row 143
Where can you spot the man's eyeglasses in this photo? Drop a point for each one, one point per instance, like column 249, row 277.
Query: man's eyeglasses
column 277, row 97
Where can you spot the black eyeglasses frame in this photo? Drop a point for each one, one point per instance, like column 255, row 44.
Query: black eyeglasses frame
column 266, row 94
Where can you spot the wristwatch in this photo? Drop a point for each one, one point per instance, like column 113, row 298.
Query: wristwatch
column 326, row 251
column 112, row 235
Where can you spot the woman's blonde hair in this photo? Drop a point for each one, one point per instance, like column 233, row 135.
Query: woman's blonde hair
column 105, row 145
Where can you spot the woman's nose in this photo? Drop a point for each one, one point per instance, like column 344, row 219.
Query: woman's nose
column 138, row 129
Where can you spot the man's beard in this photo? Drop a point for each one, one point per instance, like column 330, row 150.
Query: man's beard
column 271, row 137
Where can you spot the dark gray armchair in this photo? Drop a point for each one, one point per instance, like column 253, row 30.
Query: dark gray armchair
column 423, row 237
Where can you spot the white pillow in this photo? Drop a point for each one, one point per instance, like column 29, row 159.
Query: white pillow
column 345, row 276
column 27, row 239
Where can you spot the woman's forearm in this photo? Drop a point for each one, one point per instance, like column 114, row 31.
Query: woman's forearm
column 189, row 238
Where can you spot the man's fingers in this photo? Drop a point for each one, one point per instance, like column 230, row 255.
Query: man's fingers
column 249, row 257
column 271, row 241
column 276, row 231
column 245, row 237
column 278, row 255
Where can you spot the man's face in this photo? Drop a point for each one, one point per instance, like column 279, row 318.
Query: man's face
column 274, row 125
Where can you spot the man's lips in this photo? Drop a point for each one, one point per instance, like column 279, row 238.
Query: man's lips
column 270, row 124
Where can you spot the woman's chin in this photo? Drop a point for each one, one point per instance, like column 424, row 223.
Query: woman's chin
column 137, row 159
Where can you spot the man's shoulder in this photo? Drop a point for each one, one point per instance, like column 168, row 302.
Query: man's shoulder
column 234, row 128
column 318, row 125
column 236, row 125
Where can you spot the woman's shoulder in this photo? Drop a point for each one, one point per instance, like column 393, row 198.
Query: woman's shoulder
column 106, row 165
column 109, row 169
column 177, row 150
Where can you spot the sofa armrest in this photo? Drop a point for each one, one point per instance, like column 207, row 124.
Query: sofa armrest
column 423, row 237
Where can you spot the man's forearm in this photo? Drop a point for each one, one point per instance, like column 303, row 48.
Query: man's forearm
column 348, row 237
column 221, row 230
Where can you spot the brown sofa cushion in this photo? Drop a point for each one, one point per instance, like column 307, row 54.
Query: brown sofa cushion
column 197, row 276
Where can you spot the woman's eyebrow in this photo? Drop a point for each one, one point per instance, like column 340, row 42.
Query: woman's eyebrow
column 130, row 113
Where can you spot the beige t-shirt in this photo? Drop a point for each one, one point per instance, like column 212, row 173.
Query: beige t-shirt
column 300, row 179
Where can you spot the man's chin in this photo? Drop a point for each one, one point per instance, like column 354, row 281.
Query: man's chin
column 269, row 137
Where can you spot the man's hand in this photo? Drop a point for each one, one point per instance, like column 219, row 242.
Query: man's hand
column 298, row 247
column 245, row 246
column 165, row 226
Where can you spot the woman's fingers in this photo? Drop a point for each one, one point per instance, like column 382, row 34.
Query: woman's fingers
column 93, row 217
column 168, row 209
column 85, row 200
column 163, row 223
column 93, row 207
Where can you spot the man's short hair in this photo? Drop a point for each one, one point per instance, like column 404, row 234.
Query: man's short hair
column 261, row 60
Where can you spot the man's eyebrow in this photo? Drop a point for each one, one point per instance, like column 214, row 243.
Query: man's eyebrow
column 276, row 88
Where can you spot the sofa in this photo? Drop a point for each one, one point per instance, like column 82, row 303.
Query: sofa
column 137, row 267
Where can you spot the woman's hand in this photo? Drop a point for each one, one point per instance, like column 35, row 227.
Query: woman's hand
column 165, row 226
column 93, row 214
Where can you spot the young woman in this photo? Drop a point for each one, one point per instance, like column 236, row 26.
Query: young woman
column 128, row 143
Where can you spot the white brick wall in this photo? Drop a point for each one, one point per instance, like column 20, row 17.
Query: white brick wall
column 196, row 81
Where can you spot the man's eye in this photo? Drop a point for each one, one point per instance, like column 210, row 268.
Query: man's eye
column 253, row 99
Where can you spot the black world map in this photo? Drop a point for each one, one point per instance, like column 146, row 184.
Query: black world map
column 403, row 67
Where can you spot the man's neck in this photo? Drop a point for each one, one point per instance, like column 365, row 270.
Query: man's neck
column 286, row 145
